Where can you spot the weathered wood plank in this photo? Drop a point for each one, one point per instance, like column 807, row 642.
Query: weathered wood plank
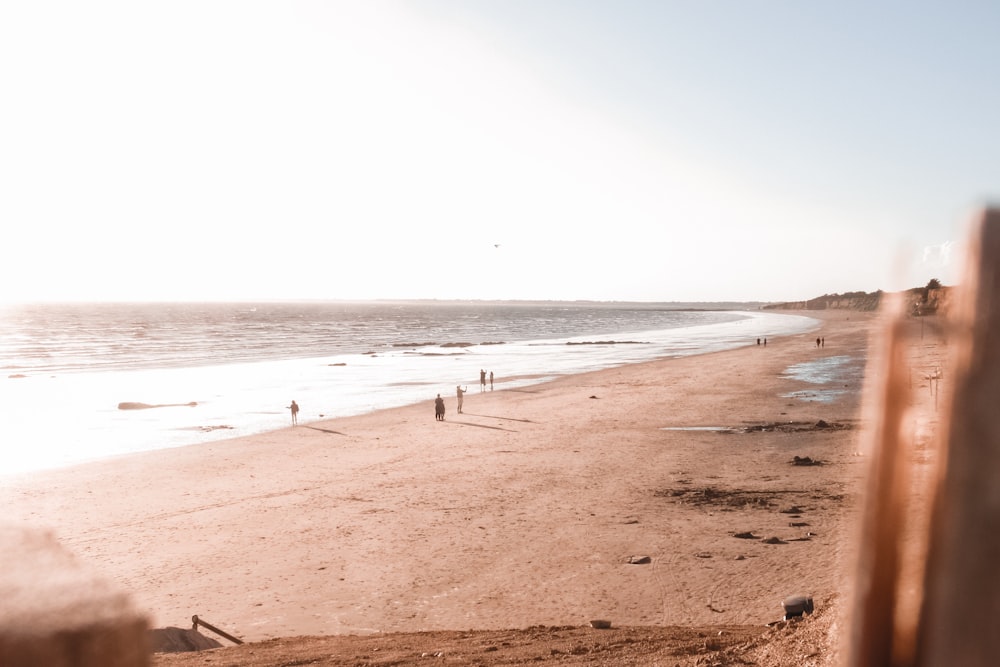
column 961, row 610
column 928, row 593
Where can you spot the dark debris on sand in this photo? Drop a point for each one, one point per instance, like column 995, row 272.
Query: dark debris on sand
column 795, row 427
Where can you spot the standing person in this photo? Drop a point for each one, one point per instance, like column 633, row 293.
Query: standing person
column 461, row 393
column 491, row 380
column 439, row 408
column 294, row 407
column 482, row 380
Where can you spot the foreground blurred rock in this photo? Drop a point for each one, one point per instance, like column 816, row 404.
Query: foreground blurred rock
column 56, row 613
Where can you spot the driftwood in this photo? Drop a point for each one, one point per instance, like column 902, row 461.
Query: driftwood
column 935, row 600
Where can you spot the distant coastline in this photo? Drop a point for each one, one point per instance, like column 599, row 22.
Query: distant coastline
column 586, row 303
column 583, row 303
column 932, row 299
column 924, row 300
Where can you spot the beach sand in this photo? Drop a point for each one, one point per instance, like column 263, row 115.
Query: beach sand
column 526, row 510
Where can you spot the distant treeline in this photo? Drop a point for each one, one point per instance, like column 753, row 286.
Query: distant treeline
column 928, row 300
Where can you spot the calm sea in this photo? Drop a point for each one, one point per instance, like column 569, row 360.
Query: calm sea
column 66, row 368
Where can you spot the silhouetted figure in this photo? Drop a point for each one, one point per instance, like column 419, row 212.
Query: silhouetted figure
column 765, row 342
column 294, row 407
column 461, row 394
column 439, row 408
column 482, row 380
column 817, row 342
column 491, row 380
column 758, row 341
column 822, row 342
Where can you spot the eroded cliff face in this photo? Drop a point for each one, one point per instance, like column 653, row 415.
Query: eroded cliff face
column 920, row 301
column 866, row 301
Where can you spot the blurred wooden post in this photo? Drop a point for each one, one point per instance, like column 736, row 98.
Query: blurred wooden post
column 961, row 610
column 955, row 567
column 874, row 616
column 55, row 613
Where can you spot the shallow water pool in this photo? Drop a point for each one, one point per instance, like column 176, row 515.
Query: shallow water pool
column 843, row 371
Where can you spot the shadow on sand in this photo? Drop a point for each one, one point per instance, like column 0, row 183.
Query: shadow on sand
column 510, row 419
column 325, row 430
column 495, row 428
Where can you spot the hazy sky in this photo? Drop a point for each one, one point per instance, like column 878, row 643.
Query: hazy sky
column 491, row 149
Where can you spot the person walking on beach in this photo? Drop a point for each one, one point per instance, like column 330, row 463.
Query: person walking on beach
column 461, row 393
column 482, row 380
column 439, row 408
column 294, row 407
column 491, row 380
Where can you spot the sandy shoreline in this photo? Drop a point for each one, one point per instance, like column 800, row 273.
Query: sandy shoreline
column 524, row 510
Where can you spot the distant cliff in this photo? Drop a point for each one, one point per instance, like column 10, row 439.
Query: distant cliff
column 845, row 301
column 934, row 298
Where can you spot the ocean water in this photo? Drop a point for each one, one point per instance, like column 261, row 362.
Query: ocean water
column 228, row 370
